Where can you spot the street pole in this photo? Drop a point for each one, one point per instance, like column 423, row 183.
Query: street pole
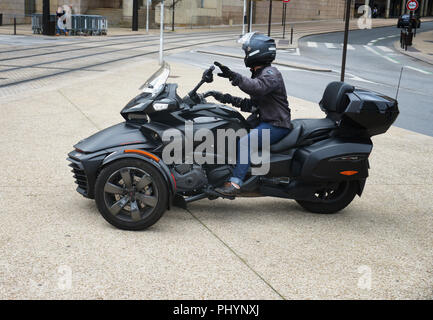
column 135, row 15
column 346, row 38
column 270, row 18
column 284, row 19
column 244, row 17
column 250, row 28
column 282, row 15
column 45, row 16
column 172, row 18
column 161, row 35
column 249, row 18
column 147, row 15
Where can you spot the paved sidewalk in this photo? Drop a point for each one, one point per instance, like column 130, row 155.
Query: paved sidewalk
column 261, row 248
column 422, row 47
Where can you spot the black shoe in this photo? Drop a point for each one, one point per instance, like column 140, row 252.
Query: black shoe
column 228, row 190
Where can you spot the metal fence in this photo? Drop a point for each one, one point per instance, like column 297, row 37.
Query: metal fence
column 90, row 25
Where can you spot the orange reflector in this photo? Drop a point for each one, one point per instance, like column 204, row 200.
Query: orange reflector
column 348, row 173
column 147, row 154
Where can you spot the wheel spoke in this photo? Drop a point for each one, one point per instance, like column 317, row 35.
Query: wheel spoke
column 144, row 182
column 135, row 211
column 112, row 188
column 126, row 177
column 119, row 205
column 150, row 201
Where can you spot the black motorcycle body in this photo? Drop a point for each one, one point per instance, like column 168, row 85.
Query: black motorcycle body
column 322, row 163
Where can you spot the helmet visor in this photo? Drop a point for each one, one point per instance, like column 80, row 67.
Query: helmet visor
column 245, row 39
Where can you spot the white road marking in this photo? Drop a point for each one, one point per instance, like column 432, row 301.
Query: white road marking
column 372, row 50
column 356, row 78
column 386, row 49
column 419, row 70
column 330, row 45
column 381, row 55
column 390, row 59
column 349, row 47
column 293, row 52
column 312, row 44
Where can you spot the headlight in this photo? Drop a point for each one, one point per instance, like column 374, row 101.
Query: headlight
column 160, row 106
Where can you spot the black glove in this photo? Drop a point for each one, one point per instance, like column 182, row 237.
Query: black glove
column 225, row 71
column 223, row 98
column 245, row 105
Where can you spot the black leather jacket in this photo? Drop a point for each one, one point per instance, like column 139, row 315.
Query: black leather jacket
column 268, row 94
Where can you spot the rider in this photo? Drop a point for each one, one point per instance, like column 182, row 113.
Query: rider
column 268, row 100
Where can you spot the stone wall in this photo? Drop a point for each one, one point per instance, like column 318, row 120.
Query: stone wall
column 78, row 6
column 300, row 10
column 11, row 8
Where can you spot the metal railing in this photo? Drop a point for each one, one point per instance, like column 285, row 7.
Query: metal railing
column 90, row 25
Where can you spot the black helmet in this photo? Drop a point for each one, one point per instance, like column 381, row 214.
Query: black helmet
column 259, row 49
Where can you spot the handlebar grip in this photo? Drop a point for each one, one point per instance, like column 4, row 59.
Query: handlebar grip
column 208, row 94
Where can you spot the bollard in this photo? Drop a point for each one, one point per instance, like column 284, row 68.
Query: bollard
column 291, row 36
column 401, row 39
column 15, row 26
column 1, row 19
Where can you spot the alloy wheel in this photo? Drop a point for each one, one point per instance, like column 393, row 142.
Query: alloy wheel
column 130, row 194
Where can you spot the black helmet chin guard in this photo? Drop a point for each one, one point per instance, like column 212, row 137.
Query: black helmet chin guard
column 259, row 49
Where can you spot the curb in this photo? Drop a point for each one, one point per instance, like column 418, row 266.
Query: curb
column 291, row 65
column 410, row 54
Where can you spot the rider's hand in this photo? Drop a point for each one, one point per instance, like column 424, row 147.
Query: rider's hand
column 221, row 97
column 225, row 71
column 216, row 94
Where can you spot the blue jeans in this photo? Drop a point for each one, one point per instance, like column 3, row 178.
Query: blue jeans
column 59, row 31
column 241, row 169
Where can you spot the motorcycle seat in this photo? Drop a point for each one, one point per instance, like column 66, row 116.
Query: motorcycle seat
column 288, row 141
column 304, row 129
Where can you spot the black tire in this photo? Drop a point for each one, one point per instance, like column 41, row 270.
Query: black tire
column 335, row 200
column 147, row 201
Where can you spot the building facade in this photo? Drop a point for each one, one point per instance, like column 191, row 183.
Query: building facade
column 209, row 12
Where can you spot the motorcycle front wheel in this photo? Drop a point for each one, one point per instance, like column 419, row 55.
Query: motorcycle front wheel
column 131, row 194
column 333, row 199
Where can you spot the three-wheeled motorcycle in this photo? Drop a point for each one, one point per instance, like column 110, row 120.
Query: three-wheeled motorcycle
column 322, row 164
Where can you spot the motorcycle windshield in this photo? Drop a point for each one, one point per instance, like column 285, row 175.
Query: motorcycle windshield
column 156, row 83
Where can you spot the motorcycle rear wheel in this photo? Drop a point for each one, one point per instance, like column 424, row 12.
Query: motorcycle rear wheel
column 331, row 200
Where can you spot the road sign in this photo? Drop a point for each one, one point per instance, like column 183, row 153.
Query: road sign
column 412, row 5
column 286, row 0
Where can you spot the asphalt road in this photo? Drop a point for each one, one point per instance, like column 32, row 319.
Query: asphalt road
column 372, row 63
